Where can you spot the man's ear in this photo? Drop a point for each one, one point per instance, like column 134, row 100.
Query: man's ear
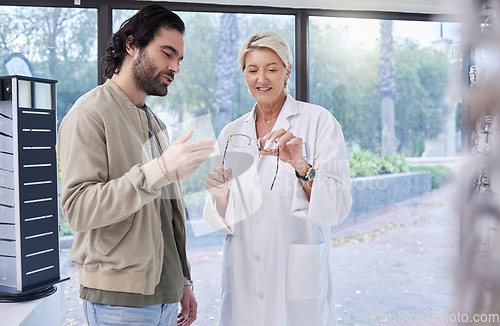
column 131, row 48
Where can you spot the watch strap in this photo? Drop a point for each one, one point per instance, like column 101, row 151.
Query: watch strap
column 306, row 177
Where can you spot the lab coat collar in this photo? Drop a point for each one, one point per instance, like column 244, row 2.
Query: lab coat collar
column 289, row 109
column 248, row 127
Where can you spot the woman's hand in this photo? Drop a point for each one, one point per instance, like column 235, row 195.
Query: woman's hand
column 215, row 182
column 216, row 186
column 290, row 152
column 290, row 148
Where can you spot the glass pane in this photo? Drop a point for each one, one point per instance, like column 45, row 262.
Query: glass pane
column 52, row 43
column 43, row 96
column 387, row 84
column 25, row 94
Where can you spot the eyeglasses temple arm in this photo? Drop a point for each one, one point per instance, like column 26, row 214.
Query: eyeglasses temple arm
column 223, row 159
column 277, row 166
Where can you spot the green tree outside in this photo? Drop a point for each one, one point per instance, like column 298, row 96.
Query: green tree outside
column 60, row 43
column 344, row 78
column 421, row 80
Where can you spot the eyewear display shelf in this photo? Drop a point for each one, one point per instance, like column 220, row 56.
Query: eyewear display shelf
column 29, row 226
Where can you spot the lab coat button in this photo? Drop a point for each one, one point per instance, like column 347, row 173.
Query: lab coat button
column 257, row 257
column 256, row 219
column 256, row 182
column 261, row 295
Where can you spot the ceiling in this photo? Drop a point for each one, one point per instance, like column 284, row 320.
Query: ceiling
column 449, row 7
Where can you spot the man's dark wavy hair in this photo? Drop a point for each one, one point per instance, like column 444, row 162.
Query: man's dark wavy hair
column 142, row 27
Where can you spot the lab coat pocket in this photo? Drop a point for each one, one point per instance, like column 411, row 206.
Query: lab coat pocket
column 307, row 277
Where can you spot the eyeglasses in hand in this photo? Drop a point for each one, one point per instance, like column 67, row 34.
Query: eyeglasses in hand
column 241, row 141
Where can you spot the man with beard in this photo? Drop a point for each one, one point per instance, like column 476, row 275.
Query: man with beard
column 120, row 190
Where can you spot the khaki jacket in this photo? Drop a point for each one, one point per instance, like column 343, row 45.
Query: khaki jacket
column 110, row 193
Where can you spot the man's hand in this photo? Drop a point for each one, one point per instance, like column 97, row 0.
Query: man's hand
column 181, row 159
column 189, row 308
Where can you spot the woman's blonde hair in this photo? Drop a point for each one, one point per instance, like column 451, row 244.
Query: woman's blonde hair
column 267, row 39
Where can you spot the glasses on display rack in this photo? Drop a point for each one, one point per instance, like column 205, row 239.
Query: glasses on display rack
column 242, row 141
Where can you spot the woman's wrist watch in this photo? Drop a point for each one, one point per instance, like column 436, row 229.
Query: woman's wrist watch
column 310, row 174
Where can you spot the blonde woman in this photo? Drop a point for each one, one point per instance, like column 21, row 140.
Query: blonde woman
column 282, row 182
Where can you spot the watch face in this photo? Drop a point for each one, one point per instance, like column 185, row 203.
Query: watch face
column 311, row 174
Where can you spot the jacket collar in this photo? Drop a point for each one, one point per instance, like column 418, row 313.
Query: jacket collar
column 117, row 91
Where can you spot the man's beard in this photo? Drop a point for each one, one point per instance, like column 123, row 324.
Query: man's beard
column 144, row 76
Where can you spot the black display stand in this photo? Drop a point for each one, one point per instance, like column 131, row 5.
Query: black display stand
column 29, row 226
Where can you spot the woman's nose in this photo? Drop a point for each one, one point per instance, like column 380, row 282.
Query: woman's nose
column 262, row 76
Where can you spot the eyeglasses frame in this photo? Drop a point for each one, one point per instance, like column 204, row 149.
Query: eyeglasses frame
column 258, row 147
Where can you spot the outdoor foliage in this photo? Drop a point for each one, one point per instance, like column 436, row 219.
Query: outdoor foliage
column 441, row 175
column 365, row 163
column 64, row 228
column 420, row 88
column 60, row 44
column 344, row 78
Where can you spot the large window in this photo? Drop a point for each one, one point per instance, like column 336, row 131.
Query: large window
column 387, row 83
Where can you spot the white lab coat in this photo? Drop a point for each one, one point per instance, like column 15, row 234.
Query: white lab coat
column 276, row 256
